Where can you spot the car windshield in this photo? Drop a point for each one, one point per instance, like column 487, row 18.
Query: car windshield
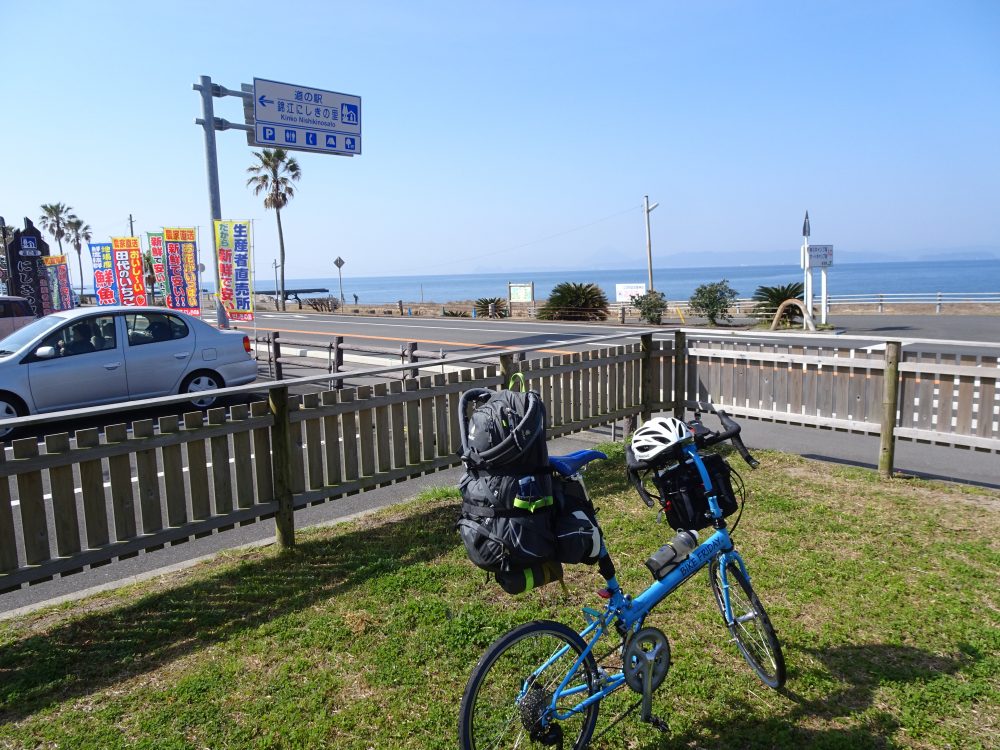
column 24, row 335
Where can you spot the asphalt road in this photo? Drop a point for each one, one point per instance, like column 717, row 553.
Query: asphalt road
column 461, row 336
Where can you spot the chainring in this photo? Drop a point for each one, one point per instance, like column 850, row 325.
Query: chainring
column 643, row 643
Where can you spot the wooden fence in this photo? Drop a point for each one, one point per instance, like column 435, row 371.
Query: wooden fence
column 209, row 472
column 201, row 473
column 947, row 399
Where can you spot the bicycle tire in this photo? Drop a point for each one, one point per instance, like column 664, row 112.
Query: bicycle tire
column 490, row 715
column 751, row 629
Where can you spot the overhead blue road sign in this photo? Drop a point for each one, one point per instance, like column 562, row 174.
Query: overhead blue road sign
column 300, row 118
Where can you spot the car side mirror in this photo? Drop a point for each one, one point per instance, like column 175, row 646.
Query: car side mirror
column 45, row 352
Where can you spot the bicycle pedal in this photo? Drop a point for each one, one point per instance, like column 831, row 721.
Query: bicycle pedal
column 657, row 723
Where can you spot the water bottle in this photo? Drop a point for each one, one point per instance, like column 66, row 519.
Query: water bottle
column 672, row 554
column 530, row 578
column 527, row 487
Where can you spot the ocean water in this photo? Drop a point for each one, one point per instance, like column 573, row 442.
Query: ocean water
column 676, row 283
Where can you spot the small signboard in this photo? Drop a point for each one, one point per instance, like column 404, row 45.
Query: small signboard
column 521, row 292
column 625, row 292
column 300, row 118
column 821, row 256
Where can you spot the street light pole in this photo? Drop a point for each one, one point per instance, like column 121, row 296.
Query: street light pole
column 647, row 209
column 207, row 120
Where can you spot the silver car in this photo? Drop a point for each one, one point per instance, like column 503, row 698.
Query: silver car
column 90, row 356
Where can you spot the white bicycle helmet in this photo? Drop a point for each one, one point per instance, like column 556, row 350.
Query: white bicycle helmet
column 657, row 435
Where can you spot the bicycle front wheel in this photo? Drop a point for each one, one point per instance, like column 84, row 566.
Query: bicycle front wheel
column 507, row 700
column 751, row 628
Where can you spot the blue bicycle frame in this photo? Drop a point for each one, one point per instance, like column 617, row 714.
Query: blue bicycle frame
column 628, row 614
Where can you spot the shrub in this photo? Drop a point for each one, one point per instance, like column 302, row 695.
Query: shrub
column 712, row 301
column 456, row 314
column 499, row 305
column 769, row 299
column 651, row 306
column 323, row 304
column 572, row 301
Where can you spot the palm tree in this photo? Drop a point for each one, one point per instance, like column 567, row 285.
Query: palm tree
column 571, row 301
column 273, row 176
column 150, row 274
column 78, row 232
column 482, row 306
column 769, row 299
column 55, row 217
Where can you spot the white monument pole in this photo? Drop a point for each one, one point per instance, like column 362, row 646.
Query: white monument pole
column 807, row 269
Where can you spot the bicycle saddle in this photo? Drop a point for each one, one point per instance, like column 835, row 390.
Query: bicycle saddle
column 572, row 462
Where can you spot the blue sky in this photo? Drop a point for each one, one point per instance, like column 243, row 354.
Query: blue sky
column 523, row 134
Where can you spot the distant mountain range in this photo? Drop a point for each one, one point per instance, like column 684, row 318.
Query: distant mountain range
column 613, row 259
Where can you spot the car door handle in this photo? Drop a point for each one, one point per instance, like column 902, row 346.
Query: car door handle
column 182, row 355
column 112, row 365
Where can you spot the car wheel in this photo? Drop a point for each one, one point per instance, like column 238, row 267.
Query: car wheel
column 10, row 408
column 202, row 381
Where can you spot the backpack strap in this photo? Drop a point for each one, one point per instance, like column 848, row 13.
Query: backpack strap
column 520, row 510
column 517, row 377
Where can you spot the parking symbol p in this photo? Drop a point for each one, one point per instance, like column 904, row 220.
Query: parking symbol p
column 268, row 134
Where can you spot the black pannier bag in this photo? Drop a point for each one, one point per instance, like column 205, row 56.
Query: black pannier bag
column 680, row 491
column 683, row 497
column 578, row 536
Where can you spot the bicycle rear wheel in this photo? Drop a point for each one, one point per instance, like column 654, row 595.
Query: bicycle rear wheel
column 751, row 628
column 493, row 713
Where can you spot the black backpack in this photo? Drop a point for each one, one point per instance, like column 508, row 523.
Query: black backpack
column 517, row 516
column 507, row 503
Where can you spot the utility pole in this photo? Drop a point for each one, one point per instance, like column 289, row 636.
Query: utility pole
column 648, row 209
column 131, row 228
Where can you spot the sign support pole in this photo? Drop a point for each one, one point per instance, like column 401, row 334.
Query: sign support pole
column 823, row 298
column 207, row 122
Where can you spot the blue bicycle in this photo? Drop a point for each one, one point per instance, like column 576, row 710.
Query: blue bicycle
column 542, row 683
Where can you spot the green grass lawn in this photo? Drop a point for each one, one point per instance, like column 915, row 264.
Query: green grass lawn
column 886, row 597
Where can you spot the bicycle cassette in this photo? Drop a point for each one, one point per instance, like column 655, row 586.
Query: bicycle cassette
column 648, row 648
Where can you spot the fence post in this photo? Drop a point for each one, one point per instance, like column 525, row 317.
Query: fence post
column 281, row 455
column 506, row 369
column 646, row 377
column 937, row 308
column 411, row 356
column 890, row 403
column 680, row 373
column 338, row 360
column 277, row 355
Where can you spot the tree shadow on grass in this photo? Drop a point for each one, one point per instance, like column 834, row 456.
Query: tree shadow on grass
column 89, row 653
column 859, row 672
